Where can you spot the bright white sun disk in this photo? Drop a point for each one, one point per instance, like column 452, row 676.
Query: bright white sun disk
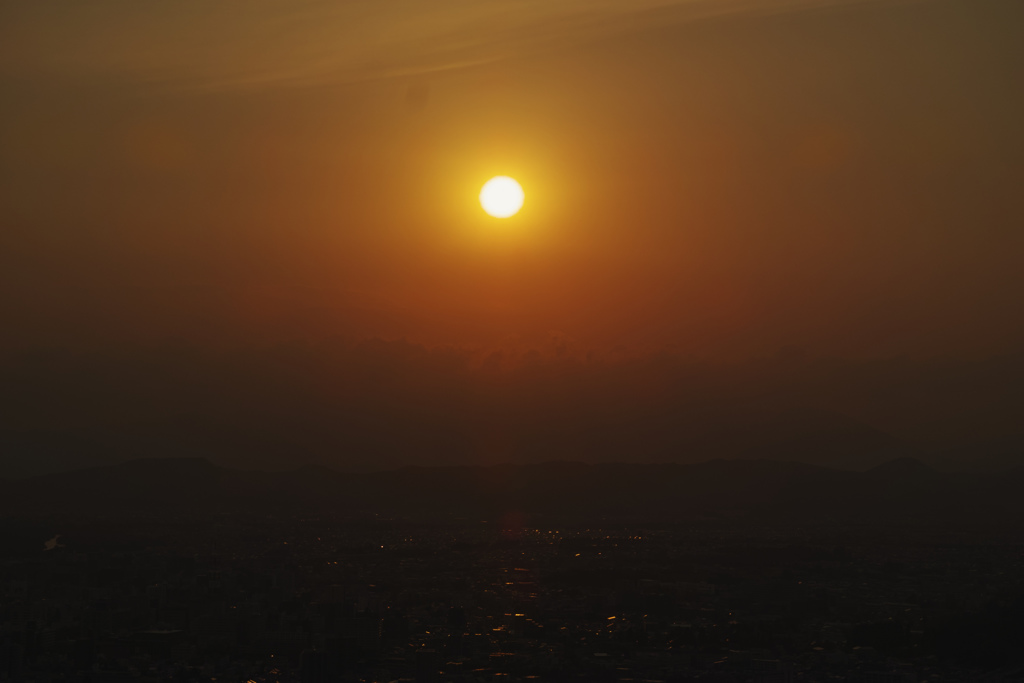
column 501, row 196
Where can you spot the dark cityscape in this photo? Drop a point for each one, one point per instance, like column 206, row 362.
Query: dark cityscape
column 765, row 592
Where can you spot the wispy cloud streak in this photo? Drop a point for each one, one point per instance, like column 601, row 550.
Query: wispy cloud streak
column 270, row 43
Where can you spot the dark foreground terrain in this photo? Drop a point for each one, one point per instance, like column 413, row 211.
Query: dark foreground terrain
column 727, row 571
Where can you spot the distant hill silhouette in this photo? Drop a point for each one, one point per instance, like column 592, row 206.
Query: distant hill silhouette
column 678, row 434
column 900, row 489
column 27, row 453
column 373, row 404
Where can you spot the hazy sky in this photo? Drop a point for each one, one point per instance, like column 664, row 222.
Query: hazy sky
column 716, row 177
column 304, row 42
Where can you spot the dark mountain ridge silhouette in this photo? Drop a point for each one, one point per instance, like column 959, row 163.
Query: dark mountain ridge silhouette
column 31, row 452
column 374, row 404
column 900, row 489
column 674, row 430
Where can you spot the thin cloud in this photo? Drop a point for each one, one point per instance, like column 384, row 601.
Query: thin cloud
column 279, row 44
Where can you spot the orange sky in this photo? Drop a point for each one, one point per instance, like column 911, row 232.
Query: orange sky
column 720, row 178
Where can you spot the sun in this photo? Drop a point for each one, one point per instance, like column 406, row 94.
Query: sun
column 502, row 196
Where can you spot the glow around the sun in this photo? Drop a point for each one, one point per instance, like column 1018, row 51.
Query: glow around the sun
column 502, row 196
